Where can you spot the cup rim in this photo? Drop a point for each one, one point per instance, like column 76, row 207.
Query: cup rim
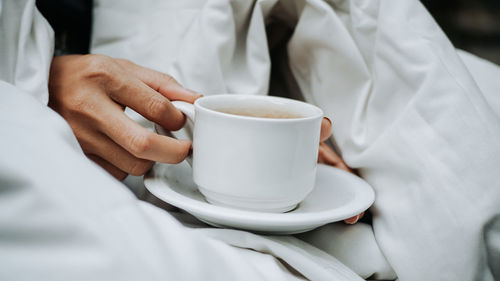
column 200, row 106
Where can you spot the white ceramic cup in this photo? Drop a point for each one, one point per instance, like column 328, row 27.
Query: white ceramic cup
column 253, row 163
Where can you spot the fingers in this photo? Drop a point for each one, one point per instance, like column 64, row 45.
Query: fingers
column 91, row 91
column 147, row 102
column 115, row 172
column 139, row 141
column 354, row 219
column 103, row 147
column 326, row 129
column 160, row 82
column 327, row 156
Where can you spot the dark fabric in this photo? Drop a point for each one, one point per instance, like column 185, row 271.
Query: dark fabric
column 71, row 21
column 492, row 242
column 471, row 25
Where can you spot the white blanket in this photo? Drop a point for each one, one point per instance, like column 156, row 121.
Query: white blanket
column 64, row 218
column 407, row 112
column 379, row 68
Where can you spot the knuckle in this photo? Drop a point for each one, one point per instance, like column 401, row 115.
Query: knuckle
column 117, row 86
column 157, row 108
column 140, row 144
column 80, row 104
column 98, row 66
column 80, row 109
column 164, row 81
column 124, row 62
column 74, row 106
column 168, row 79
column 139, row 167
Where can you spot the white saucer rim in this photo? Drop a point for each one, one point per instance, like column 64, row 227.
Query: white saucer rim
column 221, row 213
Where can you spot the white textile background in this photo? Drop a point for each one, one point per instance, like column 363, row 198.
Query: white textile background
column 407, row 112
column 26, row 48
column 64, row 218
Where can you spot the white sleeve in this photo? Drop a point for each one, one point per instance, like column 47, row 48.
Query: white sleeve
column 26, row 47
column 64, row 218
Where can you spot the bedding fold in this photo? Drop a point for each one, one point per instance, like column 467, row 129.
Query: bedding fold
column 407, row 112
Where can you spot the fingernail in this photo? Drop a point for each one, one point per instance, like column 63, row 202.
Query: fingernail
column 355, row 220
column 194, row 93
column 328, row 119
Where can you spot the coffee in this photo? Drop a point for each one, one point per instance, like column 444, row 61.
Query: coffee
column 261, row 112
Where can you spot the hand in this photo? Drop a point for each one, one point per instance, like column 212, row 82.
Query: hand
column 91, row 93
column 327, row 156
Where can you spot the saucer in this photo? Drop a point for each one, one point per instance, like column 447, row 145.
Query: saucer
column 337, row 195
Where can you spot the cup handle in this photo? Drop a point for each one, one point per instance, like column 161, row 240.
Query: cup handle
column 188, row 110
